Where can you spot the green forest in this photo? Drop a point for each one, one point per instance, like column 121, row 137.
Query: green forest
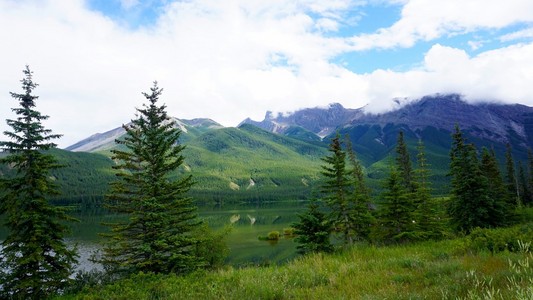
column 459, row 225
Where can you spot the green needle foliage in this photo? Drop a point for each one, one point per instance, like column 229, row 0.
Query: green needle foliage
column 336, row 190
column 396, row 215
column 346, row 193
column 402, row 195
column 403, row 162
column 430, row 215
column 529, row 201
column 35, row 261
column 157, row 236
column 511, row 180
column 501, row 213
column 313, row 230
column 470, row 203
column 525, row 192
column 361, row 199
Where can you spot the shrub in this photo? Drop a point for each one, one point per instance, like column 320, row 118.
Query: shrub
column 212, row 247
column 500, row 239
column 273, row 235
column 288, row 231
column 89, row 280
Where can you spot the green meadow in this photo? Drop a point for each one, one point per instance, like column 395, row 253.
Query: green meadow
column 461, row 268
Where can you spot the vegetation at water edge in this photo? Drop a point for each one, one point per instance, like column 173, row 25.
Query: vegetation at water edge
column 463, row 268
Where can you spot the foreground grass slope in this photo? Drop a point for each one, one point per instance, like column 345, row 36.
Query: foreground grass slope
column 430, row 270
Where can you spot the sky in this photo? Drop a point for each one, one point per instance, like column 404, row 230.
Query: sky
column 232, row 59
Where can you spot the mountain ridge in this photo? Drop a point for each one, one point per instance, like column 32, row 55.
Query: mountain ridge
column 500, row 123
column 281, row 155
column 106, row 140
column 320, row 121
column 485, row 120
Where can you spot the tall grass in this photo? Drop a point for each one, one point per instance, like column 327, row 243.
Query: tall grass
column 430, row 270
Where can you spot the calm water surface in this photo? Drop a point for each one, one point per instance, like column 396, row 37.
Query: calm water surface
column 250, row 221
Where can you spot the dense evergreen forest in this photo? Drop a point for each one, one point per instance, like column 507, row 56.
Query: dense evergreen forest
column 487, row 207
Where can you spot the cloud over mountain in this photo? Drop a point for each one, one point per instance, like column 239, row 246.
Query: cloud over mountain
column 230, row 60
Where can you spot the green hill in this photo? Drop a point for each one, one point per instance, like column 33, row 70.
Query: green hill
column 253, row 164
column 227, row 164
column 375, row 147
column 249, row 163
column 83, row 178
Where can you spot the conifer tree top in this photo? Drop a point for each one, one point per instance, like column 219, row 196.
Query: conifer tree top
column 28, row 132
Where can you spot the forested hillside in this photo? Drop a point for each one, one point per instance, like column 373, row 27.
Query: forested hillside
column 227, row 164
column 282, row 160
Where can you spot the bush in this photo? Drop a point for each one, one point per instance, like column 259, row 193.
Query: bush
column 212, row 248
column 89, row 280
column 288, row 231
column 273, row 235
column 500, row 239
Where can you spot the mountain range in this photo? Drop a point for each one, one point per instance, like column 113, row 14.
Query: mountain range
column 430, row 119
column 280, row 156
column 488, row 121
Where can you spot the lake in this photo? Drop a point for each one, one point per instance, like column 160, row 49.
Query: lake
column 250, row 222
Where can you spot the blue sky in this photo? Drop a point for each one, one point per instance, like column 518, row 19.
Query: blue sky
column 233, row 59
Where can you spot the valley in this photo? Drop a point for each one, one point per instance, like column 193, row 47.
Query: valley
column 256, row 179
column 279, row 158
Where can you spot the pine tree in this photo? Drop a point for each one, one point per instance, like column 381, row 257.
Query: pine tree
column 530, row 172
column 525, row 192
column 35, row 261
column 500, row 212
column 336, row 190
column 395, row 216
column 313, row 230
column 511, row 180
column 429, row 216
column 469, row 202
column 362, row 217
column 157, row 236
column 457, row 157
column 403, row 162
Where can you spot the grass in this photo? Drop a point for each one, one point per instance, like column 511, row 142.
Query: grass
column 429, row 270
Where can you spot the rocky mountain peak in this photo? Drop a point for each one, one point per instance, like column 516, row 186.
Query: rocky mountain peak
column 486, row 120
column 320, row 121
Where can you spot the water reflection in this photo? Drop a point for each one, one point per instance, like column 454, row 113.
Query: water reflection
column 253, row 220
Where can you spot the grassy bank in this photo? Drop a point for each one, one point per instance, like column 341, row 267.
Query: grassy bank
column 430, row 270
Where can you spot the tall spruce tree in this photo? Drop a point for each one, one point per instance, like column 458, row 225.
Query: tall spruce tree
column 336, row 191
column 395, row 216
column 157, row 236
column 429, row 214
column 500, row 212
column 530, row 173
column 510, row 178
column 469, row 202
column 403, row 163
column 35, row 261
column 362, row 217
column 525, row 192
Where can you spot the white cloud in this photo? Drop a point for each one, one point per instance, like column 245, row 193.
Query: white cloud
column 521, row 34
column 474, row 45
column 228, row 60
column 326, row 24
column 214, row 59
column 429, row 20
column 504, row 75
